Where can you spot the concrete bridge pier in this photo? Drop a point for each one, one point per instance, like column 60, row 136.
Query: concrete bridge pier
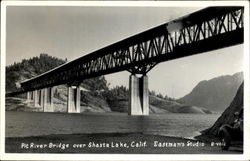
column 41, row 97
column 32, row 95
column 73, row 105
column 139, row 95
column 48, row 99
column 36, row 98
column 29, row 95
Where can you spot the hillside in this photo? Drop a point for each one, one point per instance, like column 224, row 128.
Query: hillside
column 227, row 116
column 214, row 94
column 96, row 96
column 175, row 107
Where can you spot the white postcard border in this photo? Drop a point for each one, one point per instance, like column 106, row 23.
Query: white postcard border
column 15, row 156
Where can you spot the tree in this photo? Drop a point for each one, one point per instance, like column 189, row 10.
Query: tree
column 159, row 95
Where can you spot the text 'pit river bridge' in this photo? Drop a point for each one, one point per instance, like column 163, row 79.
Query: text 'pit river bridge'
column 205, row 30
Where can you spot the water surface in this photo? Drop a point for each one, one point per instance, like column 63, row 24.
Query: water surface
column 20, row 123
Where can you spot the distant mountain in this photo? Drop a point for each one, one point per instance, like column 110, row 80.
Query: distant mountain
column 215, row 94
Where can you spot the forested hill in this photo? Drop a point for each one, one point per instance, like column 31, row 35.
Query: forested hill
column 29, row 68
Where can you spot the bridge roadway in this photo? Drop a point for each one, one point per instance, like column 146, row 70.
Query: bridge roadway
column 205, row 30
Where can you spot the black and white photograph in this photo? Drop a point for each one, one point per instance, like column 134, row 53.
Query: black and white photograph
column 83, row 78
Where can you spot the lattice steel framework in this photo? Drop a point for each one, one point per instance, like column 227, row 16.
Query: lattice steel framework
column 207, row 29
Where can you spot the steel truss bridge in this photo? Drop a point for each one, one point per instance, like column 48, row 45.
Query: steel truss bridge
column 205, row 30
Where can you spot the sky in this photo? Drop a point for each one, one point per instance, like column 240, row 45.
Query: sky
column 71, row 32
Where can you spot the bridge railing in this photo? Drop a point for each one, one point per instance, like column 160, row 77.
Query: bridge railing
column 140, row 53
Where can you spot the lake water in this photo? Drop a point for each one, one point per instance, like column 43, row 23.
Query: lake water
column 20, row 123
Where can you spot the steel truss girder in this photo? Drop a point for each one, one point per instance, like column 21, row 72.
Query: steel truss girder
column 205, row 30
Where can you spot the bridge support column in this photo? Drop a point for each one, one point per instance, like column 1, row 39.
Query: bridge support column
column 36, row 98
column 29, row 94
column 139, row 95
column 44, row 96
column 41, row 97
column 32, row 95
column 48, row 100
column 73, row 99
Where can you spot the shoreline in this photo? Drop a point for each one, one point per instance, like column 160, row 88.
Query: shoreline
column 112, row 143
